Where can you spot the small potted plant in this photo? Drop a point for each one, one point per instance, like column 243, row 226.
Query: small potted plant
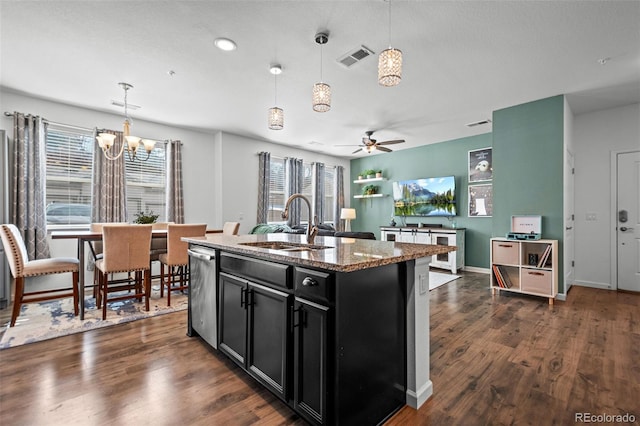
column 370, row 189
column 145, row 218
column 369, row 173
column 378, row 173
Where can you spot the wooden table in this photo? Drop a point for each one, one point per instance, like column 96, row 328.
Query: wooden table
column 85, row 236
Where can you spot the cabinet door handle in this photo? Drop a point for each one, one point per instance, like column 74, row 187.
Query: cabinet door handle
column 535, row 273
column 243, row 296
column 505, row 245
column 309, row 282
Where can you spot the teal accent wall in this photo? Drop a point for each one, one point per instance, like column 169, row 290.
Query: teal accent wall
column 440, row 159
column 528, row 152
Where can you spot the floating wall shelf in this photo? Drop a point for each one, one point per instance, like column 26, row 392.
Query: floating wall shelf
column 370, row 196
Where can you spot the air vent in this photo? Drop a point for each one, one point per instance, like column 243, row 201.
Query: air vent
column 121, row 105
column 355, row 56
column 478, row 123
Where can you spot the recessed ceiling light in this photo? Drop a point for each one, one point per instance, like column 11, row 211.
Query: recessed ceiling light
column 225, row 44
column 275, row 69
column 603, row 61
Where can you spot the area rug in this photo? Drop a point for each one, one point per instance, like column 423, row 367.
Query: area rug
column 436, row 279
column 47, row 320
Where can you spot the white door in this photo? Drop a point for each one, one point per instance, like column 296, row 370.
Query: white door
column 569, row 245
column 628, row 221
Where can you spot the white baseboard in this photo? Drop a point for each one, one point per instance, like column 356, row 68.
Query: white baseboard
column 604, row 286
column 477, row 269
column 416, row 399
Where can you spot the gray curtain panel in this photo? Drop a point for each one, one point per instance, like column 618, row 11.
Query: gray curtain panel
column 293, row 175
column 108, row 187
column 338, row 197
column 264, row 173
column 174, row 194
column 29, row 183
column 317, row 182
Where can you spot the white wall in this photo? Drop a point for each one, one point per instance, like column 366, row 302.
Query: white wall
column 596, row 136
column 220, row 170
column 239, row 171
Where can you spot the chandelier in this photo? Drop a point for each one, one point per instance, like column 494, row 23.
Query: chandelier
column 321, row 95
column 275, row 117
column 132, row 143
column 390, row 62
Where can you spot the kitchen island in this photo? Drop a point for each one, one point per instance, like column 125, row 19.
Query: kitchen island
column 338, row 329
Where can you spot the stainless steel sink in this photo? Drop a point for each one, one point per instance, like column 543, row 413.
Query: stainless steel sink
column 285, row 246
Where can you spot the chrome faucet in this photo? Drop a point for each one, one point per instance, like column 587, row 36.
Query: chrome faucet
column 312, row 227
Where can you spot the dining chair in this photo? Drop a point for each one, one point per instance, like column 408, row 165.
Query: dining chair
column 126, row 249
column 21, row 268
column 158, row 245
column 231, row 228
column 176, row 258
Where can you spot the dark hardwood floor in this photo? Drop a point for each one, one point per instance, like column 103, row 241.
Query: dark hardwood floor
column 504, row 359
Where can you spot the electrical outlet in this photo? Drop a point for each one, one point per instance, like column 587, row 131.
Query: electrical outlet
column 591, row 217
column 424, row 283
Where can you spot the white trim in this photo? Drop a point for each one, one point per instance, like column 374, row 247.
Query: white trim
column 613, row 262
column 477, row 269
column 614, row 216
column 592, row 284
column 416, row 399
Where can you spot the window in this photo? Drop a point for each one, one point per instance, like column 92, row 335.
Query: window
column 146, row 183
column 277, row 185
column 69, row 168
column 329, row 176
column 276, row 190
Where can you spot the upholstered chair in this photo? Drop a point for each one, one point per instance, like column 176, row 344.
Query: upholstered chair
column 22, row 268
column 126, row 249
column 158, row 245
column 176, row 257
column 231, row 228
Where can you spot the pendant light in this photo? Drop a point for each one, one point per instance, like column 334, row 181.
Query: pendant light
column 276, row 115
column 321, row 95
column 131, row 143
column 390, row 62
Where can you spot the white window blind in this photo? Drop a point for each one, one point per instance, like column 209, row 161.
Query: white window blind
column 69, row 154
column 276, row 190
column 146, row 183
column 329, row 173
column 69, row 169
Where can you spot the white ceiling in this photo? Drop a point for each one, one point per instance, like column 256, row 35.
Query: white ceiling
column 462, row 60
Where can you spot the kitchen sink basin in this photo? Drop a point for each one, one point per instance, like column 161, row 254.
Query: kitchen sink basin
column 285, row 246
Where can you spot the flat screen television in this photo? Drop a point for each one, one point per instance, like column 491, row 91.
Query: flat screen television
column 434, row 196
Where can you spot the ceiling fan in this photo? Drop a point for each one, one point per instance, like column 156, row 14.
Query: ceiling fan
column 369, row 145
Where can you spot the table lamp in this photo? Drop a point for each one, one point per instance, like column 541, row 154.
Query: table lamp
column 347, row 215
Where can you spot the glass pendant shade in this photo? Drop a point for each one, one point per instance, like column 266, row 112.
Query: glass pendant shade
column 390, row 67
column 321, row 97
column 276, row 118
column 148, row 144
column 106, row 140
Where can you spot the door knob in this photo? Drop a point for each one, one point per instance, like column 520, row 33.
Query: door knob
column 624, row 228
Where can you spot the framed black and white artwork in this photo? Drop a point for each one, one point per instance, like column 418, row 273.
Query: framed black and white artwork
column 481, row 200
column 480, row 165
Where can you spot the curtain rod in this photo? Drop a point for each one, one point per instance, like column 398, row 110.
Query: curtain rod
column 69, row 126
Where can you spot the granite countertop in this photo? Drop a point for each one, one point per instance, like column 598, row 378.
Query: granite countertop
column 341, row 254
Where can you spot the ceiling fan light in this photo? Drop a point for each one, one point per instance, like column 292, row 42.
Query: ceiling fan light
column 321, row 97
column 276, row 118
column 390, row 67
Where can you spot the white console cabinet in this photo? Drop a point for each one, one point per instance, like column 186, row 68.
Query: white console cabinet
column 442, row 236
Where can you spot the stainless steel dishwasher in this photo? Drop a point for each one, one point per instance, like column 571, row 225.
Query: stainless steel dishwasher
column 202, row 294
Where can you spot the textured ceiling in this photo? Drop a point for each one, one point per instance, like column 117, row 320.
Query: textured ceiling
column 462, row 60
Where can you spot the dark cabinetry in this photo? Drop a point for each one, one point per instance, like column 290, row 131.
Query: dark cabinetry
column 254, row 332
column 330, row 344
